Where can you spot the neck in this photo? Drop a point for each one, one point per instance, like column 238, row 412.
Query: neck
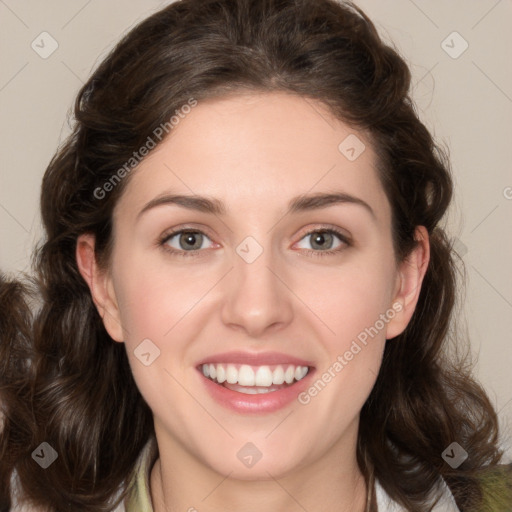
column 334, row 482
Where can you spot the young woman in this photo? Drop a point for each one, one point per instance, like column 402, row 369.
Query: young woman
column 247, row 293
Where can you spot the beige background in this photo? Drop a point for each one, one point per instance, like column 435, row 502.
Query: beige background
column 466, row 100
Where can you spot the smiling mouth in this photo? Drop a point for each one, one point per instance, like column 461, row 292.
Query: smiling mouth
column 254, row 380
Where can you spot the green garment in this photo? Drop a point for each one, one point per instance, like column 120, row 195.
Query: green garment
column 497, row 489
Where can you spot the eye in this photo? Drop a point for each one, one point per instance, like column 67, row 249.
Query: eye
column 323, row 239
column 188, row 242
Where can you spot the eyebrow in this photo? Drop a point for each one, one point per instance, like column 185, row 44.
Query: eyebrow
column 214, row 206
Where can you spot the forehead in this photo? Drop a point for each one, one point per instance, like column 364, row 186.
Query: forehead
column 260, row 150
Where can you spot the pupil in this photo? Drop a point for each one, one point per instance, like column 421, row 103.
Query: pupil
column 190, row 238
column 320, row 239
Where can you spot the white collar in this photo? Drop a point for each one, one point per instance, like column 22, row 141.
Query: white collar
column 386, row 504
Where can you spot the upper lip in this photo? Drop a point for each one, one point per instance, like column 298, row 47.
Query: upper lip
column 255, row 359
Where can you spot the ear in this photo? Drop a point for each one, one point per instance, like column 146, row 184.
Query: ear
column 101, row 286
column 408, row 284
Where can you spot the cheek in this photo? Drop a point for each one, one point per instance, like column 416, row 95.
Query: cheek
column 350, row 297
column 152, row 298
column 354, row 305
column 159, row 306
column 153, row 313
column 356, row 315
column 357, row 319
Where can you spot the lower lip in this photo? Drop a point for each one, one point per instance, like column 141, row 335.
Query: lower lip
column 260, row 403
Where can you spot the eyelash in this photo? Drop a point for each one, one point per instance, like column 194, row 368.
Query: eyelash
column 331, row 252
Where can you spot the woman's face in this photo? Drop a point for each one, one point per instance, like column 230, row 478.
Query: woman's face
column 255, row 288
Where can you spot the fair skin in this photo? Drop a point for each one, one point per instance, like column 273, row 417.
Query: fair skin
column 255, row 152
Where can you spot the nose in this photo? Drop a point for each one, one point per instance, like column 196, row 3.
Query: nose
column 258, row 299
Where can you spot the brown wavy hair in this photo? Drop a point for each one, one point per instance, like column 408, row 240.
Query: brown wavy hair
column 16, row 419
column 84, row 400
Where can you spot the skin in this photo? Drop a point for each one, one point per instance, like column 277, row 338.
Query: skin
column 255, row 152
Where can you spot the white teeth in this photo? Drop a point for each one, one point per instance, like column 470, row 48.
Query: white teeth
column 259, row 377
column 300, row 372
column 251, row 391
column 289, row 375
column 246, row 376
column 221, row 374
column 263, row 376
column 248, row 390
column 278, row 375
column 231, row 374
